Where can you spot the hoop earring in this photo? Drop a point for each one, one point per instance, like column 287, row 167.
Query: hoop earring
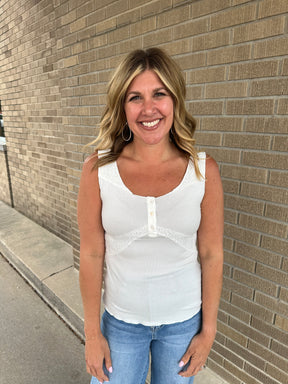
column 130, row 133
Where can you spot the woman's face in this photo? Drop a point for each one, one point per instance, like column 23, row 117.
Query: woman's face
column 149, row 109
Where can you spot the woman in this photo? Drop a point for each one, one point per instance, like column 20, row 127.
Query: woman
column 152, row 208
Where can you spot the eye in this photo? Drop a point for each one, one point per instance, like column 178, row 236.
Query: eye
column 160, row 94
column 134, row 98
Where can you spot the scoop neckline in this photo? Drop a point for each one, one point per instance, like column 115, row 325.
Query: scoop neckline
column 149, row 196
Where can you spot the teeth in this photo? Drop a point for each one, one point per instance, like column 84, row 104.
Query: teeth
column 150, row 123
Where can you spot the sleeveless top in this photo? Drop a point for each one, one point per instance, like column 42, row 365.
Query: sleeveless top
column 152, row 274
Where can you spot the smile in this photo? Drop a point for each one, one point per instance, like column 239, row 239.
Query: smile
column 150, row 123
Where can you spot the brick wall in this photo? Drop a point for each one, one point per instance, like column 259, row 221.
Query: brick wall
column 56, row 57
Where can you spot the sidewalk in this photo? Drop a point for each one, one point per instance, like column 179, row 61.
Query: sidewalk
column 46, row 263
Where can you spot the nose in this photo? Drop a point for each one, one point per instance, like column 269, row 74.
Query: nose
column 148, row 106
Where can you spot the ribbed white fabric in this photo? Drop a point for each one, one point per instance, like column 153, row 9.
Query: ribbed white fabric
column 153, row 276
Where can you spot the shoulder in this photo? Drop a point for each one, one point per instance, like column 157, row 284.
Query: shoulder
column 212, row 177
column 212, row 167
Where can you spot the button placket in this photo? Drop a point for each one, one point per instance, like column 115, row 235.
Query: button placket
column 151, row 211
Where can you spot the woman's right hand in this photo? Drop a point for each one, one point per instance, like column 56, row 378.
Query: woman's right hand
column 97, row 352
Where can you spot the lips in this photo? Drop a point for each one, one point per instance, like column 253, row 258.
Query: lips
column 150, row 124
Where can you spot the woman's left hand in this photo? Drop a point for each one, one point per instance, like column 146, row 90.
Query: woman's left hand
column 196, row 355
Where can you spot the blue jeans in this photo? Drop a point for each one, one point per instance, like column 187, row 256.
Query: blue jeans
column 130, row 345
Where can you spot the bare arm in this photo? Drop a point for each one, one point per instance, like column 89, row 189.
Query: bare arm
column 92, row 250
column 210, row 246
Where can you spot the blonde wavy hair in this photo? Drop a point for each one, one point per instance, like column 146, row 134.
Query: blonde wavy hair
column 113, row 121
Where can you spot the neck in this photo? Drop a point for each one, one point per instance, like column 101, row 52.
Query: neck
column 151, row 154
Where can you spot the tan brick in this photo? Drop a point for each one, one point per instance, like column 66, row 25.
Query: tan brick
column 253, row 309
column 238, row 233
column 259, row 30
column 244, row 205
column 225, row 90
column 119, row 34
column 253, row 70
column 228, row 55
column 257, row 361
column 274, row 304
column 279, row 277
column 267, row 160
column 98, row 41
column 271, row 7
column 116, row 8
column 70, row 61
column 206, row 75
column 128, row 45
column 280, row 143
column 277, row 212
column 199, row 108
column 249, row 141
column 106, row 25
column 178, row 47
column 203, row 138
column 279, row 348
column 266, row 124
column 232, row 334
column 86, row 33
column 230, row 186
column 263, row 225
column 259, row 375
column 243, row 291
column 210, row 40
column 284, row 296
column 85, row 9
column 227, row 354
column 242, row 263
column 157, row 37
column 172, row 17
column 268, row 355
column 263, row 192
column 274, row 371
column 95, row 17
column 226, row 124
column 285, row 68
column 271, row 47
column 250, row 107
column 267, row 329
column 258, row 254
column 193, row 60
column 269, row 87
column 244, row 173
column 155, row 7
column 143, row 26
column 205, row 7
column 129, row 17
column 77, row 25
column 230, row 216
column 234, row 16
column 191, row 28
column 283, row 107
column 79, row 48
column 225, row 155
column 275, row 245
column 255, row 282
column 68, row 17
column 194, row 93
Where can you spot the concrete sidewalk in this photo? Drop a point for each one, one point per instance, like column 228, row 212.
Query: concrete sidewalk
column 46, row 263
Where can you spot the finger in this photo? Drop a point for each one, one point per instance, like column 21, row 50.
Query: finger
column 185, row 359
column 192, row 369
column 108, row 362
column 98, row 372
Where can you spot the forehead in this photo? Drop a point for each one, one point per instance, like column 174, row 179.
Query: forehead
column 145, row 80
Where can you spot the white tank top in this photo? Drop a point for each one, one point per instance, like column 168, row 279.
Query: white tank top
column 152, row 275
